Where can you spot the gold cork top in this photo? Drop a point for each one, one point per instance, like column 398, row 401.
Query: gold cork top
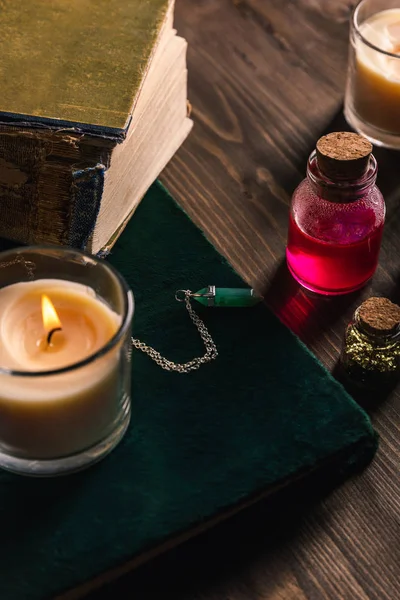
column 343, row 155
column 379, row 316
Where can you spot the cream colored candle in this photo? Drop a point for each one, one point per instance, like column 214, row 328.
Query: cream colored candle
column 376, row 75
column 56, row 415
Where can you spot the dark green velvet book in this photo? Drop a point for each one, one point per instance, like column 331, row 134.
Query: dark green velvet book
column 200, row 446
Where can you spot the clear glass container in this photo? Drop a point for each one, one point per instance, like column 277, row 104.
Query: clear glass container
column 372, row 99
column 335, row 230
column 62, row 418
column 371, row 359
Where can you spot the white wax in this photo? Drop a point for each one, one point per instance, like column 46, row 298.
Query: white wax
column 56, row 415
column 375, row 76
column 383, row 31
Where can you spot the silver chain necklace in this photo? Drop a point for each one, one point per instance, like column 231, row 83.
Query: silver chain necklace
column 209, row 296
column 211, row 349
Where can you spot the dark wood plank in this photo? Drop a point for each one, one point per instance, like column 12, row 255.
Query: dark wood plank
column 266, row 80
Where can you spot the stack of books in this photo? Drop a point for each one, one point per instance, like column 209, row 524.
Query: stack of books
column 93, row 105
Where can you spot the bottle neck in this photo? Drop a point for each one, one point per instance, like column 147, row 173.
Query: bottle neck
column 377, row 337
column 338, row 190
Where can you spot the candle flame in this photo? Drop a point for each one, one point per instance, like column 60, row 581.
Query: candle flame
column 51, row 320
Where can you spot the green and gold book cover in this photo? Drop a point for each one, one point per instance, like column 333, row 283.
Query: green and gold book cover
column 76, row 62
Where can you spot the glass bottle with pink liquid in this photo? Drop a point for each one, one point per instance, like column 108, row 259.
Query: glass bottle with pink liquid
column 336, row 218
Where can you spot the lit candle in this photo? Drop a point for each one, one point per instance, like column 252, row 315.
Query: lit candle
column 46, row 325
column 375, row 76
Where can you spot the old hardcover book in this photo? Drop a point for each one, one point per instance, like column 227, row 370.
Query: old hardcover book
column 93, row 105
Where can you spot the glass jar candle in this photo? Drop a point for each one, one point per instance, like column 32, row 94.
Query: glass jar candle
column 372, row 100
column 65, row 320
column 336, row 217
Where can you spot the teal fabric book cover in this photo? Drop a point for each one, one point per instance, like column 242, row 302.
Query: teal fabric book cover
column 265, row 413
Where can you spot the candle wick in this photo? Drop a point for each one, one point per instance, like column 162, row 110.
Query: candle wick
column 50, row 334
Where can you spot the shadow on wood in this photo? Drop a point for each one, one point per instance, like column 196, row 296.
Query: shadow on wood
column 307, row 314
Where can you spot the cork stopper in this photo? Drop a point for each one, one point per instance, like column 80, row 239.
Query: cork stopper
column 343, row 155
column 379, row 316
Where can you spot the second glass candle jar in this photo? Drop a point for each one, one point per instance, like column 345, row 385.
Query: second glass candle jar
column 336, row 218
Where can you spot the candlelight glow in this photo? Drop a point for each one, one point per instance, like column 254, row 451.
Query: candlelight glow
column 49, row 314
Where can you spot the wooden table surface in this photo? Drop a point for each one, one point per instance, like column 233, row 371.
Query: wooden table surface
column 266, row 79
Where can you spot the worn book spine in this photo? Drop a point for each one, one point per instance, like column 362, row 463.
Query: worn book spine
column 51, row 184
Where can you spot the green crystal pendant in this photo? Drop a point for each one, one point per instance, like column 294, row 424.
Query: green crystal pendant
column 227, row 297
